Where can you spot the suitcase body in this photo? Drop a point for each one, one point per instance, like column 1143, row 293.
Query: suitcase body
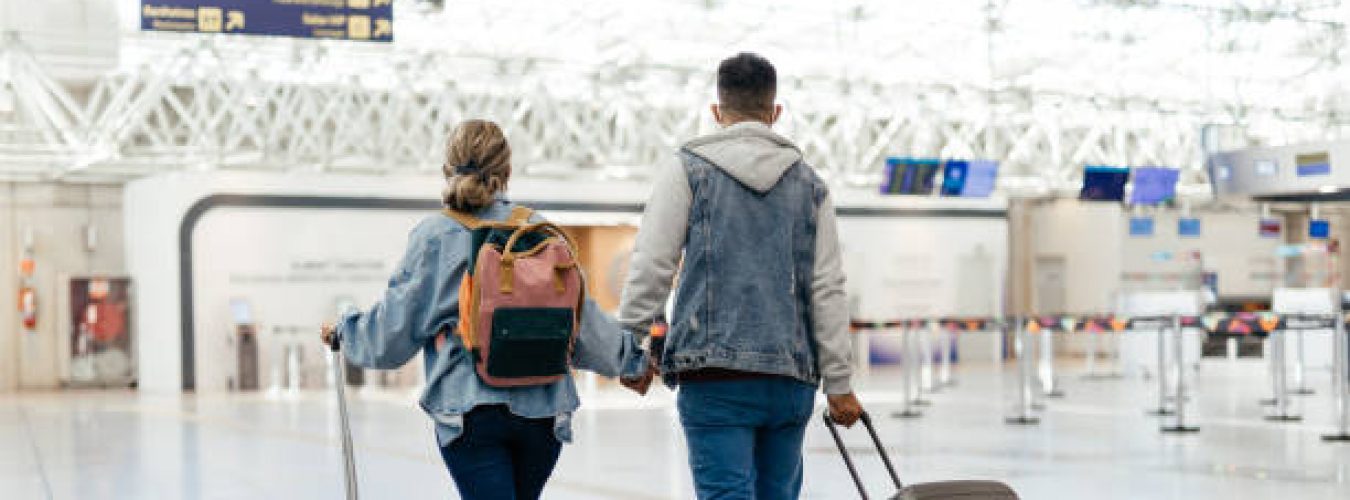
column 957, row 490
column 941, row 490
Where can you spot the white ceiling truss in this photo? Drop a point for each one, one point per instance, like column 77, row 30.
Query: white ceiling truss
column 184, row 102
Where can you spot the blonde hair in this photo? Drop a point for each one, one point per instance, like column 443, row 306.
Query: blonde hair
column 477, row 165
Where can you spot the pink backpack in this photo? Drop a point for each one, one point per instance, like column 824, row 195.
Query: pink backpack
column 520, row 300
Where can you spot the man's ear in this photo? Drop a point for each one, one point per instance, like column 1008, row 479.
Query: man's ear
column 777, row 113
column 716, row 112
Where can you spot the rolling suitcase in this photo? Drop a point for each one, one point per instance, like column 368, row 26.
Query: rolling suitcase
column 942, row 490
column 348, row 459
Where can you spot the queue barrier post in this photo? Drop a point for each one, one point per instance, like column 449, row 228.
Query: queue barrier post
column 1162, row 409
column 921, row 358
column 1022, row 413
column 1340, row 383
column 1278, row 343
column 1049, row 382
column 907, row 373
column 927, row 337
column 947, row 350
column 1178, row 344
column 1300, row 366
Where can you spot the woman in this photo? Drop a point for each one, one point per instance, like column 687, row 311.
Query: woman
column 496, row 442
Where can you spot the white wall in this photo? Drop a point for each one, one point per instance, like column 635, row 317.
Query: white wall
column 924, row 266
column 918, row 261
column 292, row 266
column 1102, row 259
column 56, row 215
column 1229, row 242
column 1088, row 236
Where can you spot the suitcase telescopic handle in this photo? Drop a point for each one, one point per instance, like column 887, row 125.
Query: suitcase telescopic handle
column 848, row 460
column 349, row 483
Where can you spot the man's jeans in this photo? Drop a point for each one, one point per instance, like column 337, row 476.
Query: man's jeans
column 745, row 436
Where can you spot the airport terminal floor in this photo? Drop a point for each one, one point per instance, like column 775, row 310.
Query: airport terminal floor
column 1095, row 442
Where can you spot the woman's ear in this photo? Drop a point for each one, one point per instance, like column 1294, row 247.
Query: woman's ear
column 777, row 113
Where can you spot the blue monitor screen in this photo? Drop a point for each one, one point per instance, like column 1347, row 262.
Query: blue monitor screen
column 1319, row 229
column 955, row 174
column 910, row 176
column 981, row 179
column 1104, row 183
column 969, row 178
column 1154, row 185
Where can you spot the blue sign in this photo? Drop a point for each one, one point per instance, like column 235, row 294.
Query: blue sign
column 1188, row 227
column 1141, row 227
column 1319, row 229
column 366, row 20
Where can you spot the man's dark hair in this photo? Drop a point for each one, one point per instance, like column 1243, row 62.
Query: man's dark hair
column 747, row 85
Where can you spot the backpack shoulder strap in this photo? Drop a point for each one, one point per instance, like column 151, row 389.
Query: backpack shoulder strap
column 520, row 215
column 468, row 220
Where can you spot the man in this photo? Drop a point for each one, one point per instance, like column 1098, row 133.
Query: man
column 760, row 317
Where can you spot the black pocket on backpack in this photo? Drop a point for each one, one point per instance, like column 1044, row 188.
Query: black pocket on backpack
column 530, row 341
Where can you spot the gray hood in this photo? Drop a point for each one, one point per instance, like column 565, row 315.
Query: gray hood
column 750, row 152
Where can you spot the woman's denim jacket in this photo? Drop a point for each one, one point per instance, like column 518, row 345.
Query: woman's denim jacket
column 423, row 300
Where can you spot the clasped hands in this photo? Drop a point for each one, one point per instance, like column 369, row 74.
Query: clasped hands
column 642, row 383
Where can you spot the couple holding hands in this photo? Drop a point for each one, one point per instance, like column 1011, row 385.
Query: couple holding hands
column 759, row 324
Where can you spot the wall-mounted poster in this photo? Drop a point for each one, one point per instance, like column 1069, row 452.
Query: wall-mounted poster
column 1313, row 164
column 101, row 341
column 1270, row 228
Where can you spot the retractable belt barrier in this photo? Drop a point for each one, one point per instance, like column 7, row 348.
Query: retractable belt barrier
column 1273, row 327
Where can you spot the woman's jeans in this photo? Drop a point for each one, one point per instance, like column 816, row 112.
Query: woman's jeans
column 745, row 436
column 502, row 456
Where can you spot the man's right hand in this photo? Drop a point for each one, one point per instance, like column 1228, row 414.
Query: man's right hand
column 844, row 408
column 643, row 383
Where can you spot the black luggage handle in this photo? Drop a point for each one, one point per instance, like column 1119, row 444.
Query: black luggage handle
column 848, row 460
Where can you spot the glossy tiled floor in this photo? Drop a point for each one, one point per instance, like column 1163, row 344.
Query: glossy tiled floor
column 1095, row 443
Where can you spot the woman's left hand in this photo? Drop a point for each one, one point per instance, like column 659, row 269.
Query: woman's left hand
column 328, row 333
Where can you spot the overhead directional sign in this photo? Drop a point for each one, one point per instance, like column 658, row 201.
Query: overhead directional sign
column 366, row 20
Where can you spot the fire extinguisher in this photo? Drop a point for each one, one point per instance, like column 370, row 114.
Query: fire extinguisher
column 28, row 307
column 27, row 295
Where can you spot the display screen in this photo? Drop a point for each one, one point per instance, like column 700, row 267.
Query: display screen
column 981, row 179
column 955, row 173
column 910, row 176
column 1141, row 226
column 1313, row 164
column 1319, row 229
column 1266, row 168
column 1188, row 227
column 1223, row 172
column 1104, row 183
column 969, row 178
column 241, row 312
column 1271, row 228
column 1154, row 185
